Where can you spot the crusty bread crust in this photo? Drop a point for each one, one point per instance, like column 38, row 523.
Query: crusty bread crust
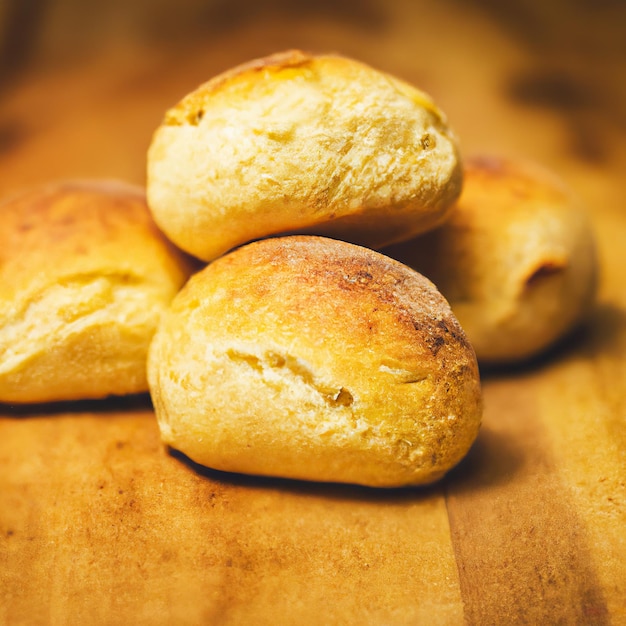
column 310, row 358
column 516, row 258
column 297, row 142
column 84, row 278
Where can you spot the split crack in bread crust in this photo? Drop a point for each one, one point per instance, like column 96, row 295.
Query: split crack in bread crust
column 310, row 358
column 85, row 276
column 516, row 258
column 301, row 143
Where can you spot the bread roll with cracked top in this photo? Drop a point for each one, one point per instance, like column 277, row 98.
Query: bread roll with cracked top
column 516, row 259
column 85, row 276
column 301, row 143
column 309, row 358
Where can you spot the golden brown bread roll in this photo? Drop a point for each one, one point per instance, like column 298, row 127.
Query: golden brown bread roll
column 85, row 276
column 310, row 358
column 516, row 259
column 294, row 142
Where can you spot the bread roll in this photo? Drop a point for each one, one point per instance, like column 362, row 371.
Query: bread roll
column 85, row 276
column 516, row 259
column 309, row 358
column 294, row 142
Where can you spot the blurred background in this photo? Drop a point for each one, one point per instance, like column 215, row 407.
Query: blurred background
column 83, row 84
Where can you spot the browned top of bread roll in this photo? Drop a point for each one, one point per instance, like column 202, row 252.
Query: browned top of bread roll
column 84, row 277
column 59, row 230
column 296, row 142
column 311, row 358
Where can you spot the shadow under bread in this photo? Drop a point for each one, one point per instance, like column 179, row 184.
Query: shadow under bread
column 117, row 404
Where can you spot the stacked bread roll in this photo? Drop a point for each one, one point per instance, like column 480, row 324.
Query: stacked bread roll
column 300, row 351
column 295, row 142
column 516, row 259
column 85, row 276
column 317, row 359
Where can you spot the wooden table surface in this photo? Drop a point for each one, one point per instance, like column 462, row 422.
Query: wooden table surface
column 100, row 524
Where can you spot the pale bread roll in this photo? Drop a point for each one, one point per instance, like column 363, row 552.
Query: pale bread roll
column 295, row 142
column 310, row 358
column 516, row 259
column 85, row 276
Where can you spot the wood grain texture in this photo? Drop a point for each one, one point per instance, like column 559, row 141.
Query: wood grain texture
column 99, row 524
column 108, row 525
column 523, row 553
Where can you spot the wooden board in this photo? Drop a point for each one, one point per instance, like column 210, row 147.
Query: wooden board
column 100, row 524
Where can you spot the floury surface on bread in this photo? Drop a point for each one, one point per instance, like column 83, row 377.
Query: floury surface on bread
column 85, row 276
column 516, row 259
column 310, row 358
column 300, row 143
